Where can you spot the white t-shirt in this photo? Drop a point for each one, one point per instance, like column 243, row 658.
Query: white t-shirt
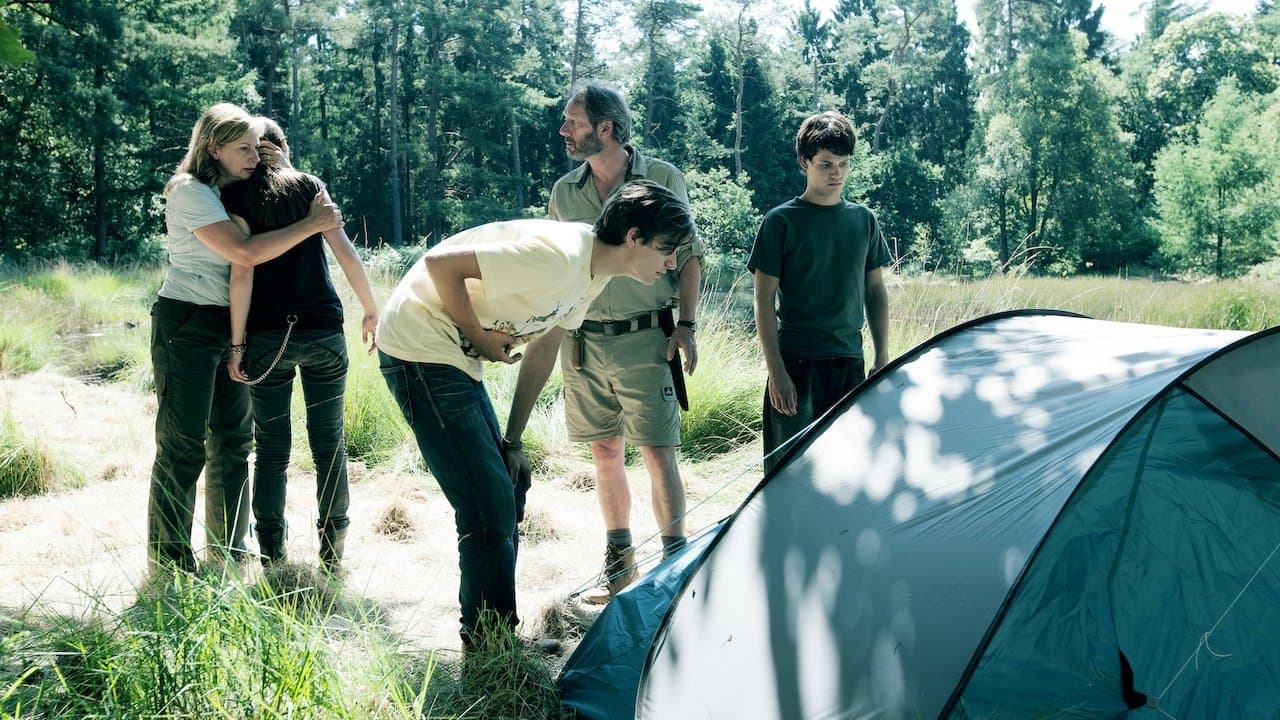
column 196, row 273
column 534, row 275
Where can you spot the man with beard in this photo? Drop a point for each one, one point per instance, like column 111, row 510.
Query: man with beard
column 622, row 374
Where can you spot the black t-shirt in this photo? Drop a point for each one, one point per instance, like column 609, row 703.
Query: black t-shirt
column 821, row 255
column 298, row 281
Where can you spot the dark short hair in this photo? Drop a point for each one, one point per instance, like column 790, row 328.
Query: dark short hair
column 602, row 101
column 650, row 208
column 829, row 130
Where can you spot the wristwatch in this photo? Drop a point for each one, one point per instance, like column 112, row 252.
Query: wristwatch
column 686, row 324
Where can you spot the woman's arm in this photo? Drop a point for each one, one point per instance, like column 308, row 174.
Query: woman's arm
column 238, row 246
column 241, row 293
column 351, row 266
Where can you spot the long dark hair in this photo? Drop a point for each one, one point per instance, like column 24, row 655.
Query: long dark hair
column 271, row 193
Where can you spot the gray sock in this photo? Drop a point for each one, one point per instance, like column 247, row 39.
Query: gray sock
column 620, row 538
column 671, row 545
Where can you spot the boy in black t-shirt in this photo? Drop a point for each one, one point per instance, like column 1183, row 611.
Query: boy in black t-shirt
column 817, row 263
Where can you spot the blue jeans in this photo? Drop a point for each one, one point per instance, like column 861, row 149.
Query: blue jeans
column 820, row 384
column 320, row 357
column 457, row 431
column 202, row 423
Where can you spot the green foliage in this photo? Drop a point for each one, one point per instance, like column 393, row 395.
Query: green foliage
column 27, row 467
column 197, row 647
column 1216, row 196
column 11, row 51
column 372, row 424
column 426, row 118
column 26, row 344
column 500, row 678
column 85, row 320
column 727, row 222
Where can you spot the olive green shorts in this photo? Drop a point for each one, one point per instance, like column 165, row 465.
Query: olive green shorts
column 623, row 388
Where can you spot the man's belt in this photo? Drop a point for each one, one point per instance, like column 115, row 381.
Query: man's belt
column 621, row 327
column 667, row 320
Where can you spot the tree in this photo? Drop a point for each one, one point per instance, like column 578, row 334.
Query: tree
column 1170, row 77
column 1215, row 196
column 1051, row 165
column 655, row 19
column 815, row 49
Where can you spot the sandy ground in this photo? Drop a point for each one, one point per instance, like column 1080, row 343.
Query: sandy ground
column 77, row 550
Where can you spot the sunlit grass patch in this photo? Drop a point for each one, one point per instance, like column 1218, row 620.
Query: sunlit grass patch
column 27, row 466
column 205, row 647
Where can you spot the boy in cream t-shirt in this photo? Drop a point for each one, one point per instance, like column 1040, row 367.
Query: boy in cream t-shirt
column 500, row 292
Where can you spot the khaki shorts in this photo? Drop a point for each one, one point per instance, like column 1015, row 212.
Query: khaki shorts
column 624, row 388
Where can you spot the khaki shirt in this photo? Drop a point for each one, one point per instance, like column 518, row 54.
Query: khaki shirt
column 574, row 199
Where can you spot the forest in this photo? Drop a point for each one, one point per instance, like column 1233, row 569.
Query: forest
column 1040, row 141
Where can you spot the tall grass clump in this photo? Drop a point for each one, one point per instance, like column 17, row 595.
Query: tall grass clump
column 27, row 344
column 27, row 466
column 499, row 678
column 200, row 648
column 372, row 423
column 82, row 320
column 726, row 388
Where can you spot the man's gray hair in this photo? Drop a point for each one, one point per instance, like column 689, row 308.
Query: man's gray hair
column 602, row 101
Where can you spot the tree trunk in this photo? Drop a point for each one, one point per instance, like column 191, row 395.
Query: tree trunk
column 1218, row 234
column 650, row 81
column 99, row 172
column 1004, row 229
column 813, row 94
column 435, row 194
column 393, row 118
column 515, row 162
column 737, row 95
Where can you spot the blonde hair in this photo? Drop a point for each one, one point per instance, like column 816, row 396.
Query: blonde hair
column 219, row 125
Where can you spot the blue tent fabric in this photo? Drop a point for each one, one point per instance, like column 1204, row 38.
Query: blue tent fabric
column 601, row 676
column 1034, row 514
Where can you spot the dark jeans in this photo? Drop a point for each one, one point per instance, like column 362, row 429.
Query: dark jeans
column 202, row 423
column 820, row 383
column 320, row 358
column 456, row 429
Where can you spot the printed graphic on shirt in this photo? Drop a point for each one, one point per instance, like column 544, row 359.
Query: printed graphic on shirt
column 522, row 333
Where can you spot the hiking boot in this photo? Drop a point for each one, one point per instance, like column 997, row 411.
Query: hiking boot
column 271, row 542
column 619, row 572
column 333, row 540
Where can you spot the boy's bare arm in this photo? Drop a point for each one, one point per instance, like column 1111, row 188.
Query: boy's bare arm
column 449, row 269
column 782, row 391
column 877, row 305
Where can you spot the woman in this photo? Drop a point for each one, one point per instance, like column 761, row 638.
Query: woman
column 202, row 417
column 286, row 317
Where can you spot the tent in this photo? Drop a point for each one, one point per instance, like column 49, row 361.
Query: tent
column 1032, row 515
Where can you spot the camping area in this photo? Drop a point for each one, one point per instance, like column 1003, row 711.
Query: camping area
column 1115, row 160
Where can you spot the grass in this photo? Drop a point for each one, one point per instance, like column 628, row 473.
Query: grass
column 29, row 468
column 202, row 647
column 86, row 321
column 921, row 307
column 282, row 646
